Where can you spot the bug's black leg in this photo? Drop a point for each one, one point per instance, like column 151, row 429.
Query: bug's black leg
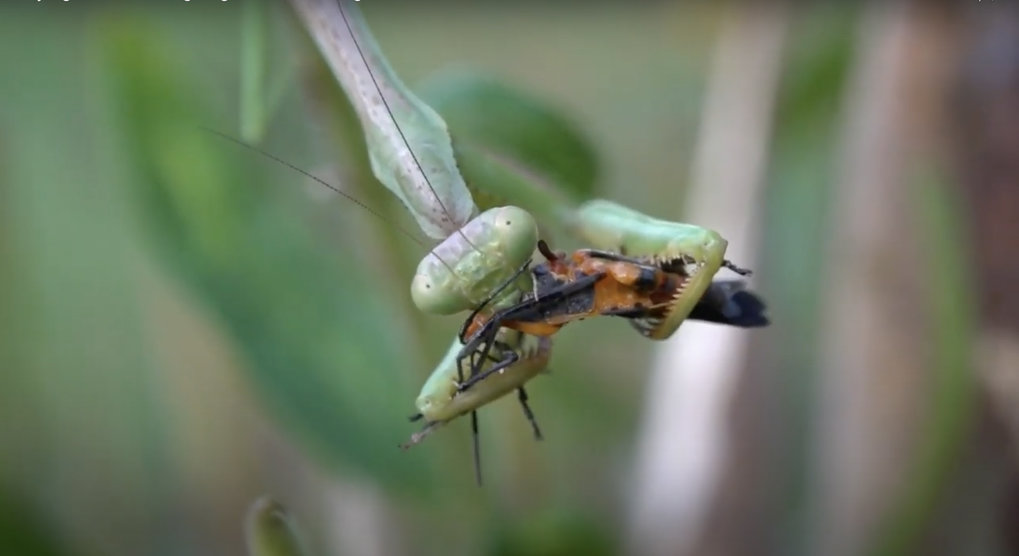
column 471, row 353
column 416, row 417
column 476, row 363
column 477, row 447
column 620, row 256
column 498, row 290
column 510, row 358
column 737, row 269
column 478, row 355
column 459, row 370
column 473, row 348
column 527, row 311
column 522, row 396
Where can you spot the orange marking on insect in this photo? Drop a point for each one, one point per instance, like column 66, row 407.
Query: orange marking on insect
column 622, row 286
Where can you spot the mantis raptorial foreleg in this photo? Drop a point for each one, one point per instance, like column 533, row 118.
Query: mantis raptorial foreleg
column 441, row 401
column 697, row 252
column 481, row 264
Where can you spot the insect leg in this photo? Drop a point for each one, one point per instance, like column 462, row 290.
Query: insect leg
column 478, row 360
column 486, row 337
column 625, row 313
column 477, row 363
column 476, row 440
column 737, row 269
column 491, row 296
column 610, row 256
column 522, row 396
column 478, row 354
column 531, row 310
column 510, row 358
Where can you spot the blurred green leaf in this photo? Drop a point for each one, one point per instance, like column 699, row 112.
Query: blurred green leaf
column 253, row 69
column 797, row 213
column 510, row 146
column 269, row 530
column 23, row 532
column 321, row 351
column 952, row 398
column 552, row 533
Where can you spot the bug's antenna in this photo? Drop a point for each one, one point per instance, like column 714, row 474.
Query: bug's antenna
column 476, row 441
column 385, row 103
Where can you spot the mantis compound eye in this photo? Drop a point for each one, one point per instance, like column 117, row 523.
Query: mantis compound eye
column 433, row 289
column 516, row 233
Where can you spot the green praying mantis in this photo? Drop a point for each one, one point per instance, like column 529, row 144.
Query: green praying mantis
column 653, row 272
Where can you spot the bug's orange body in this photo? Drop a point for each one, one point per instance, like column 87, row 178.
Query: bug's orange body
column 608, row 285
column 592, row 283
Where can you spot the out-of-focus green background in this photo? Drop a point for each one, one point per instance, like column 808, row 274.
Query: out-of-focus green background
column 185, row 326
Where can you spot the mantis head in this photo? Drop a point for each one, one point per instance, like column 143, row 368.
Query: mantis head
column 462, row 270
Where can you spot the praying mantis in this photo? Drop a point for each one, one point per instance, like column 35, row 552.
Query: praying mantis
column 482, row 263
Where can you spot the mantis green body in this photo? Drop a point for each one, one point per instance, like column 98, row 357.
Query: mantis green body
column 440, row 400
column 476, row 255
column 481, row 261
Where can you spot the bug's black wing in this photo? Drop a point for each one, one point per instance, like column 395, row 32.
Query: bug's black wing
column 729, row 302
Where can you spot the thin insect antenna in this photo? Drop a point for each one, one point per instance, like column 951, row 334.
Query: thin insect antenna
column 353, row 36
column 316, row 178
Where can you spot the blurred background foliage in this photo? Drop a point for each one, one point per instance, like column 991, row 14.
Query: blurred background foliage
column 187, row 325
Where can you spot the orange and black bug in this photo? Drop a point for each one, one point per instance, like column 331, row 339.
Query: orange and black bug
column 593, row 283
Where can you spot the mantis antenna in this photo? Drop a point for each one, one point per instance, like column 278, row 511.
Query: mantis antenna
column 324, row 183
column 321, row 181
